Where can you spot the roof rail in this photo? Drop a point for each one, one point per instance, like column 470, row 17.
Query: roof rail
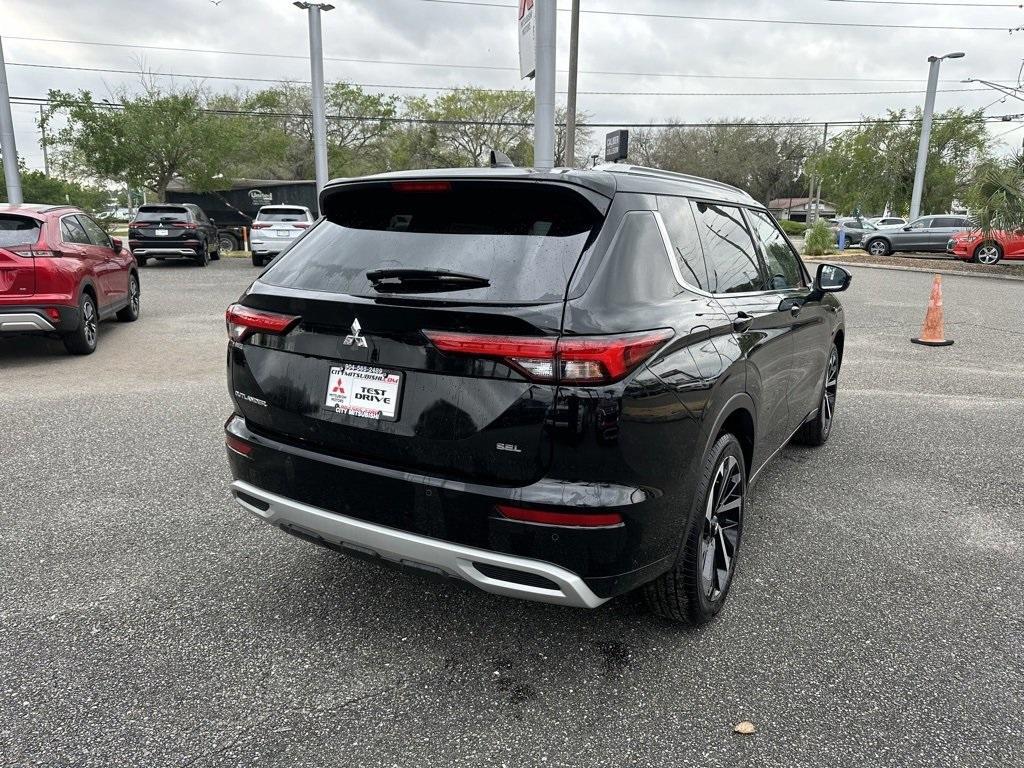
column 640, row 170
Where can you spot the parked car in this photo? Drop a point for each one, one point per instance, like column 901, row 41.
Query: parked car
column 555, row 386
column 927, row 233
column 61, row 274
column 162, row 231
column 978, row 247
column 115, row 214
column 275, row 228
column 888, row 221
column 855, row 229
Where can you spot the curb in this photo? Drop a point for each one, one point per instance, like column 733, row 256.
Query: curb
column 893, row 268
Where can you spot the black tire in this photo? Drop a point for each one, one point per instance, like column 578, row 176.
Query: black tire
column 987, row 253
column 130, row 313
column 257, row 261
column 83, row 340
column 816, row 431
column 141, row 260
column 215, row 255
column 203, row 257
column 688, row 593
column 226, row 242
column 878, row 246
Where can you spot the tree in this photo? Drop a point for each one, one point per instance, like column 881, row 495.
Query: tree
column 996, row 196
column 871, row 166
column 37, row 187
column 766, row 161
column 149, row 140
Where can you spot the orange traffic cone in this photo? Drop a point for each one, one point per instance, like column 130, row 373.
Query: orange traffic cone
column 932, row 333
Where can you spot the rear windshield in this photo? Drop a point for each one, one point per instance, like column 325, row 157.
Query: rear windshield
column 283, row 214
column 163, row 213
column 18, row 230
column 523, row 239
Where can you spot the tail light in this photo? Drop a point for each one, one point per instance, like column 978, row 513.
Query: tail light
column 260, row 225
column 300, row 224
column 238, row 445
column 421, row 186
column 35, row 253
column 562, row 359
column 581, row 519
column 243, row 322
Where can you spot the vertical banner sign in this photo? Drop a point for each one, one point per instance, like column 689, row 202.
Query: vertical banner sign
column 527, row 39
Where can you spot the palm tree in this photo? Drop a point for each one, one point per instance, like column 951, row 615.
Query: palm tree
column 997, row 197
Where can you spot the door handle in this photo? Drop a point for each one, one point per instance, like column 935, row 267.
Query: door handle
column 742, row 322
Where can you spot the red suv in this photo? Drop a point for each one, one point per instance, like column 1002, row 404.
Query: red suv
column 60, row 273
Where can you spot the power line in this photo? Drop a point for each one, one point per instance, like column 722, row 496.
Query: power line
column 688, row 17
column 931, row 4
column 403, row 86
column 37, row 100
column 453, row 65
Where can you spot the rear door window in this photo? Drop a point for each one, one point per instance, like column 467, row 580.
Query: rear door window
column 18, row 230
column 732, row 262
column 682, row 233
column 71, row 231
column 522, row 239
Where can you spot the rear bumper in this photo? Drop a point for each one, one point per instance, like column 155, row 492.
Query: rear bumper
column 33, row 319
column 262, row 246
column 189, row 247
column 350, row 498
column 551, row 583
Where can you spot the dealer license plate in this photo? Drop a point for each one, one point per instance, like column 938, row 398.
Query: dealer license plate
column 161, row 233
column 365, row 391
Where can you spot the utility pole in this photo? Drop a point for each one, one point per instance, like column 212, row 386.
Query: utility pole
column 570, row 111
column 926, row 130
column 817, row 197
column 42, row 128
column 544, row 86
column 316, row 70
column 7, row 145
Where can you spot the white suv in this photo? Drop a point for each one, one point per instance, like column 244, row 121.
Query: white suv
column 274, row 229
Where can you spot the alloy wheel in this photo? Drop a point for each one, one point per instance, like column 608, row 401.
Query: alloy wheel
column 877, row 248
column 988, row 254
column 828, row 399
column 133, row 294
column 89, row 321
column 723, row 523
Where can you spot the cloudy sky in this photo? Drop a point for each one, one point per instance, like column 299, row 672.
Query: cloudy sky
column 636, row 65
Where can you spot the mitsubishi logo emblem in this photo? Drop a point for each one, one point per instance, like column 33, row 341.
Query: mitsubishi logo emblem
column 355, row 337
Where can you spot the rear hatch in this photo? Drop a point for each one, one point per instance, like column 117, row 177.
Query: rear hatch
column 281, row 223
column 162, row 222
column 356, row 374
column 18, row 237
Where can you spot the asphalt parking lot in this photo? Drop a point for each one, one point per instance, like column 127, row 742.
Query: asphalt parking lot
column 146, row 620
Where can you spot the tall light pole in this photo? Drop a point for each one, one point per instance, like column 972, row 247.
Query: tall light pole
column 926, row 129
column 10, row 151
column 570, row 104
column 544, row 86
column 316, row 71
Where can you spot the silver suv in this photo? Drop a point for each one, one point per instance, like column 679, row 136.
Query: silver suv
column 275, row 228
column 927, row 233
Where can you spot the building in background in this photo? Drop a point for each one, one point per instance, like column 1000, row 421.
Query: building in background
column 797, row 208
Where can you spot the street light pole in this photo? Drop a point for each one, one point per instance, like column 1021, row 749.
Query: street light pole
column 9, row 150
column 569, row 161
column 926, row 130
column 544, row 86
column 316, row 71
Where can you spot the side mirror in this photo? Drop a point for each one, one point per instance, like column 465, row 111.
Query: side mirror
column 907, row 228
column 116, row 244
column 831, row 279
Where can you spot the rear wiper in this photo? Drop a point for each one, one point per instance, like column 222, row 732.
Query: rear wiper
column 423, row 280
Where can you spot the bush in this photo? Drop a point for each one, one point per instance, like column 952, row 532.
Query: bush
column 793, row 227
column 819, row 239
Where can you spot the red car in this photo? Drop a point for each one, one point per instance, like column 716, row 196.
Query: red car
column 986, row 249
column 60, row 273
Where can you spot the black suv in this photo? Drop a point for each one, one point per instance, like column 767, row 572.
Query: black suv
column 171, row 232
column 556, row 386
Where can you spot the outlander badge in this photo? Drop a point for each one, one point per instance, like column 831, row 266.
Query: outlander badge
column 355, row 337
